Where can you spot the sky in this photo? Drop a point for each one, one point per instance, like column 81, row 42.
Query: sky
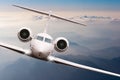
column 96, row 45
column 112, row 5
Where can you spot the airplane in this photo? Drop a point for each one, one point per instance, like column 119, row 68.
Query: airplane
column 42, row 45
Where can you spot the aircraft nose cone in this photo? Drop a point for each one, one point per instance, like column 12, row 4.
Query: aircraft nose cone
column 43, row 53
column 41, row 49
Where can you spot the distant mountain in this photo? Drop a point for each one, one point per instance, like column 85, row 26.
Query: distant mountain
column 107, row 59
column 110, row 65
column 78, row 49
column 33, row 69
column 107, row 53
column 115, row 22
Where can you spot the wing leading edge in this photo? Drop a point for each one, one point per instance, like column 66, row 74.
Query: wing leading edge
column 15, row 48
column 62, row 61
column 47, row 14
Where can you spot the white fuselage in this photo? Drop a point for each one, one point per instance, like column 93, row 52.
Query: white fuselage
column 42, row 45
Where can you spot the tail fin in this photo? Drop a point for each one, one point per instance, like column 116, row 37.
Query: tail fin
column 46, row 26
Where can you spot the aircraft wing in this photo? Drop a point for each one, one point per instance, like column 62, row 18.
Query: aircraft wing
column 62, row 61
column 47, row 14
column 15, row 48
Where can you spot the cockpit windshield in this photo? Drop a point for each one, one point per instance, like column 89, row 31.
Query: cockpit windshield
column 40, row 38
column 48, row 40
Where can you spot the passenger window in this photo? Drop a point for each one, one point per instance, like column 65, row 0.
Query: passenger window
column 48, row 40
column 40, row 38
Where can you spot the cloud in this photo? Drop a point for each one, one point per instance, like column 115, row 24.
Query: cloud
column 115, row 22
column 88, row 19
column 92, row 17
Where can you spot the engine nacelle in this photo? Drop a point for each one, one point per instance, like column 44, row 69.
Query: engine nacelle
column 24, row 34
column 61, row 44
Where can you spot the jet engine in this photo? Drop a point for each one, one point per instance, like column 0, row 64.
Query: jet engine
column 61, row 44
column 24, row 34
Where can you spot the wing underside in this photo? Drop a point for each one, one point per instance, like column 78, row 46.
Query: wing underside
column 62, row 61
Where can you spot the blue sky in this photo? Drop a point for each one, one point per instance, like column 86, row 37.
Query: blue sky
column 112, row 5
